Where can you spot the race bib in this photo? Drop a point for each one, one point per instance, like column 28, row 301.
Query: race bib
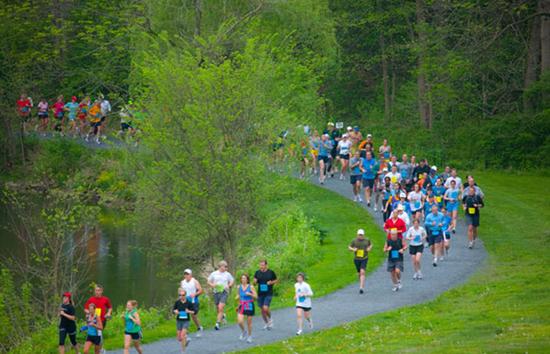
column 394, row 254
column 471, row 211
column 183, row 315
column 417, row 239
column 301, row 299
column 263, row 287
column 360, row 253
column 393, row 179
column 98, row 312
column 417, row 205
column 438, row 199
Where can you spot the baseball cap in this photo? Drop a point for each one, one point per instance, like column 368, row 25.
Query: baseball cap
column 188, row 271
column 349, row 128
column 345, row 135
column 74, row 98
column 402, row 195
column 67, row 294
column 400, row 207
column 434, row 168
column 356, row 128
column 330, row 124
column 369, row 135
column 360, row 232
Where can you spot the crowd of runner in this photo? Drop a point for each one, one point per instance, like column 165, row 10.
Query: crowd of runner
column 78, row 117
column 419, row 205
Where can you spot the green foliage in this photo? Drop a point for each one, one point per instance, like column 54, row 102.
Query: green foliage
column 289, row 241
column 58, row 160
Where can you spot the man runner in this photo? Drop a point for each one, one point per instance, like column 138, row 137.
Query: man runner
column 221, row 281
column 103, row 306
column 471, row 203
column 265, row 278
column 361, row 247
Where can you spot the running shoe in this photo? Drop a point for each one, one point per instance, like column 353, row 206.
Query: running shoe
column 341, row 177
column 454, row 231
column 242, row 336
column 394, row 288
column 420, row 276
column 199, row 332
column 368, row 204
column 217, row 326
column 270, row 324
column 299, row 332
column 249, row 339
column 360, row 200
column 399, row 286
column 470, row 245
column 415, row 276
column 440, row 259
column 310, row 322
column 435, row 262
column 361, row 291
column 375, row 210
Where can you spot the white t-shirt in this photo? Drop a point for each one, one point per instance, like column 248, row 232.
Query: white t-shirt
column 344, row 146
column 394, row 177
column 457, row 179
column 190, row 287
column 220, row 279
column 303, row 294
column 415, row 200
column 405, row 217
column 415, row 236
column 105, row 107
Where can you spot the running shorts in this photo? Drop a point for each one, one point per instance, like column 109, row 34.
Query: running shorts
column 360, row 264
column 64, row 332
column 416, row 249
column 472, row 220
column 306, row 309
column 354, row 179
column 135, row 336
column 368, row 183
column 344, row 156
column 96, row 340
column 392, row 265
column 264, row 300
column 182, row 324
column 220, row 298
column 322, row 158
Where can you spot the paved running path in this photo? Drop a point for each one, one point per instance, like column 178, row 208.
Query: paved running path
column 453, row 271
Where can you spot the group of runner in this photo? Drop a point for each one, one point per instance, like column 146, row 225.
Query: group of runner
column 419, row 204
column 82, row 117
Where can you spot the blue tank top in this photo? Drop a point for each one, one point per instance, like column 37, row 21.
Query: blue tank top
column 93, row 331
column 242, row 294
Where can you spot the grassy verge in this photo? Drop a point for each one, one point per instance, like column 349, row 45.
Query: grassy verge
column 335, row 215
column 502, row 308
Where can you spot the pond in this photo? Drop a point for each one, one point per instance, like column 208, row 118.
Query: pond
column 117, row 262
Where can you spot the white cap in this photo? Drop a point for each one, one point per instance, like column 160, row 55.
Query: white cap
column 349, row 128
column 385, row 169
column 330, row 124
column 434, row 168
column 345, row 135
column 188, row 271
column 400, row 207
column 360, row 232
column 402, row 195
column 369, row 135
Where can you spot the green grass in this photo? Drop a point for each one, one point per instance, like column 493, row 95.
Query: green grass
column 337, row 216
column 502, row 308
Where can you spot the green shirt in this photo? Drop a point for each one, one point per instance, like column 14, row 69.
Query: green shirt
column 361, row 245
column 130, row 326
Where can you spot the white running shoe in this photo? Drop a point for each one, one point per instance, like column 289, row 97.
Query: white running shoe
column 375, row 209
column 399, row 286
column 415, row 276
column 310, row 322
column 249, row 339
column 394, row 288
column 270, row 325
column 199, row 332
column 299, row 332
column 242, row 336
column 360, row 200
column 420, row 276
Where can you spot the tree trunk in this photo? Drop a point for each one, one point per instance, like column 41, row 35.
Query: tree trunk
column 385, row 78
column 423, row 106
column 198, row 17
column 533, row 57
column 544, row 8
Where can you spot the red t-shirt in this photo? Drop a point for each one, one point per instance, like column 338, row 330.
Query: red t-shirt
column 24, row 106
column 399, row 224
column 102, row 304
column 58, row 107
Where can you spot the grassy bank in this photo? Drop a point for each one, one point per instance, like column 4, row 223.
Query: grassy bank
column 339, row 219
column 502, row 308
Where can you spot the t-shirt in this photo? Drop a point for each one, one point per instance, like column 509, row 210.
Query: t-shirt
column 361, row 245
column 105, row 107
column 469, row 201
column 64, row 322
column 24, row 106
column 42, row 107
column 369, row 168
column 94, row 113
column 221, row 280
column 415, row 200
column 58, row 107
column 262, row 278
column 72, row 107
column 394, row 177
column 324, row 148
column 303, row 294
column 355, row 171
column 405, row 169
column 344, row 145
column 452, row 194
column 434, row 223
column 102, row 304
column 420, row 170
column 457, row 180
column 394, row 254
column 181, row 306
column 398, row 224
column 415, row 236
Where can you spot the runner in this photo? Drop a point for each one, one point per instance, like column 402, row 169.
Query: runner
column 83, row 109
column 446, row 173
column 355, row 176
column 265, row 278
column 246, row 296
column 361, row 247
column 102, row 306
column 403, row 215
column 324, row 158
column 302, row 296
column 105, row 111
column 334, row 138
column 385, row 149
column 58, row 113
column 304, row 162
column 395, row 248
column 438, row 192
column 446, row 227
column 471, row 203
column 314, row 143
column 43, row 108
column 416, row 237
column 419, row 170
column 406, row 171
column 395, row 223
column 434, row 225
column 72, row 107
column 221, row 281
column 182, row 309
column 395, row 177
column 132, row 327
column 24, row 105
column 95, row 121
column 451, row 197
column 471, row 183
column 368, row 168
column 67, row 323
column 379, row 187
column 387, row 199
column 193, row 289
column 94, row 326
column 344, row 149
column 416, row 202
column 456, row 179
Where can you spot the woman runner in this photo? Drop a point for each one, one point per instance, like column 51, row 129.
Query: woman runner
column 302, row 296
column 416, row 237
column 94, row 327
column 193, row 289
column 344, row 149
column 451, row 197
column 395, row 248
column 43, row 108
column 67, row 324
column 247, row 295
column 132, row 327
column 182, row 309
column 355, row 176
